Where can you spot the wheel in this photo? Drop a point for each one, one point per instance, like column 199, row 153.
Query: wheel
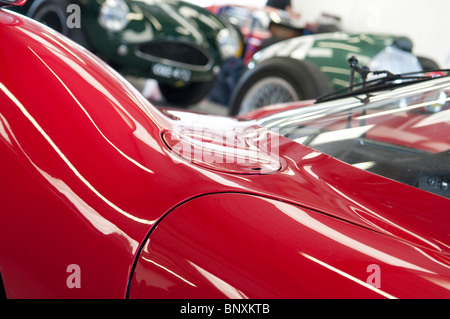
column 186, row 95
column 53, row 13
column 278, row 80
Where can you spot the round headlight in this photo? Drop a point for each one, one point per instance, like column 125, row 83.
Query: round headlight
column 113, row 15
column 230, row 44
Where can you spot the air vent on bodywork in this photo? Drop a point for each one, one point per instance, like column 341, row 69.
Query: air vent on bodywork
column 245, row 153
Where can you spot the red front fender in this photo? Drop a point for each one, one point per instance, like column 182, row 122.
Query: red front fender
column 243, row 246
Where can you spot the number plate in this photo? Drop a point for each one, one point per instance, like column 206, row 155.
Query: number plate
column 170, row 72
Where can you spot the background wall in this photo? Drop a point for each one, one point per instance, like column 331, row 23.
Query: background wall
column 426, row 23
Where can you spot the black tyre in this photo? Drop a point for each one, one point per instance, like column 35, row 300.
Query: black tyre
column 278, row 80
column 53, row 13
column 186, row 95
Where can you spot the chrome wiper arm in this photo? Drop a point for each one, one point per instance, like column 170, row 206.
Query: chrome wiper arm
column 364, row 72
column 365, row 87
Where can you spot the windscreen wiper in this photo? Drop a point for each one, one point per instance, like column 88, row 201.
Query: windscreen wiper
column 389, row 80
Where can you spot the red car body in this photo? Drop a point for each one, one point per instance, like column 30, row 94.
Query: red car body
column 97, row 201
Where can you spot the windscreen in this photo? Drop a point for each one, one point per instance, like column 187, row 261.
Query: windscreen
column 402, row 134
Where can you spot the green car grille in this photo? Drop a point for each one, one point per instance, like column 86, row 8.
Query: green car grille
column 175, row 51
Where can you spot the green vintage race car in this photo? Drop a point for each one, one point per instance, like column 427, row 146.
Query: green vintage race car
column 179, row 44
column 307, row 67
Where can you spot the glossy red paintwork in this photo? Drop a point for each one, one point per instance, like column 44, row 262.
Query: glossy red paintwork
column 88, row 180
column 9, row 3
column 240, row 246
